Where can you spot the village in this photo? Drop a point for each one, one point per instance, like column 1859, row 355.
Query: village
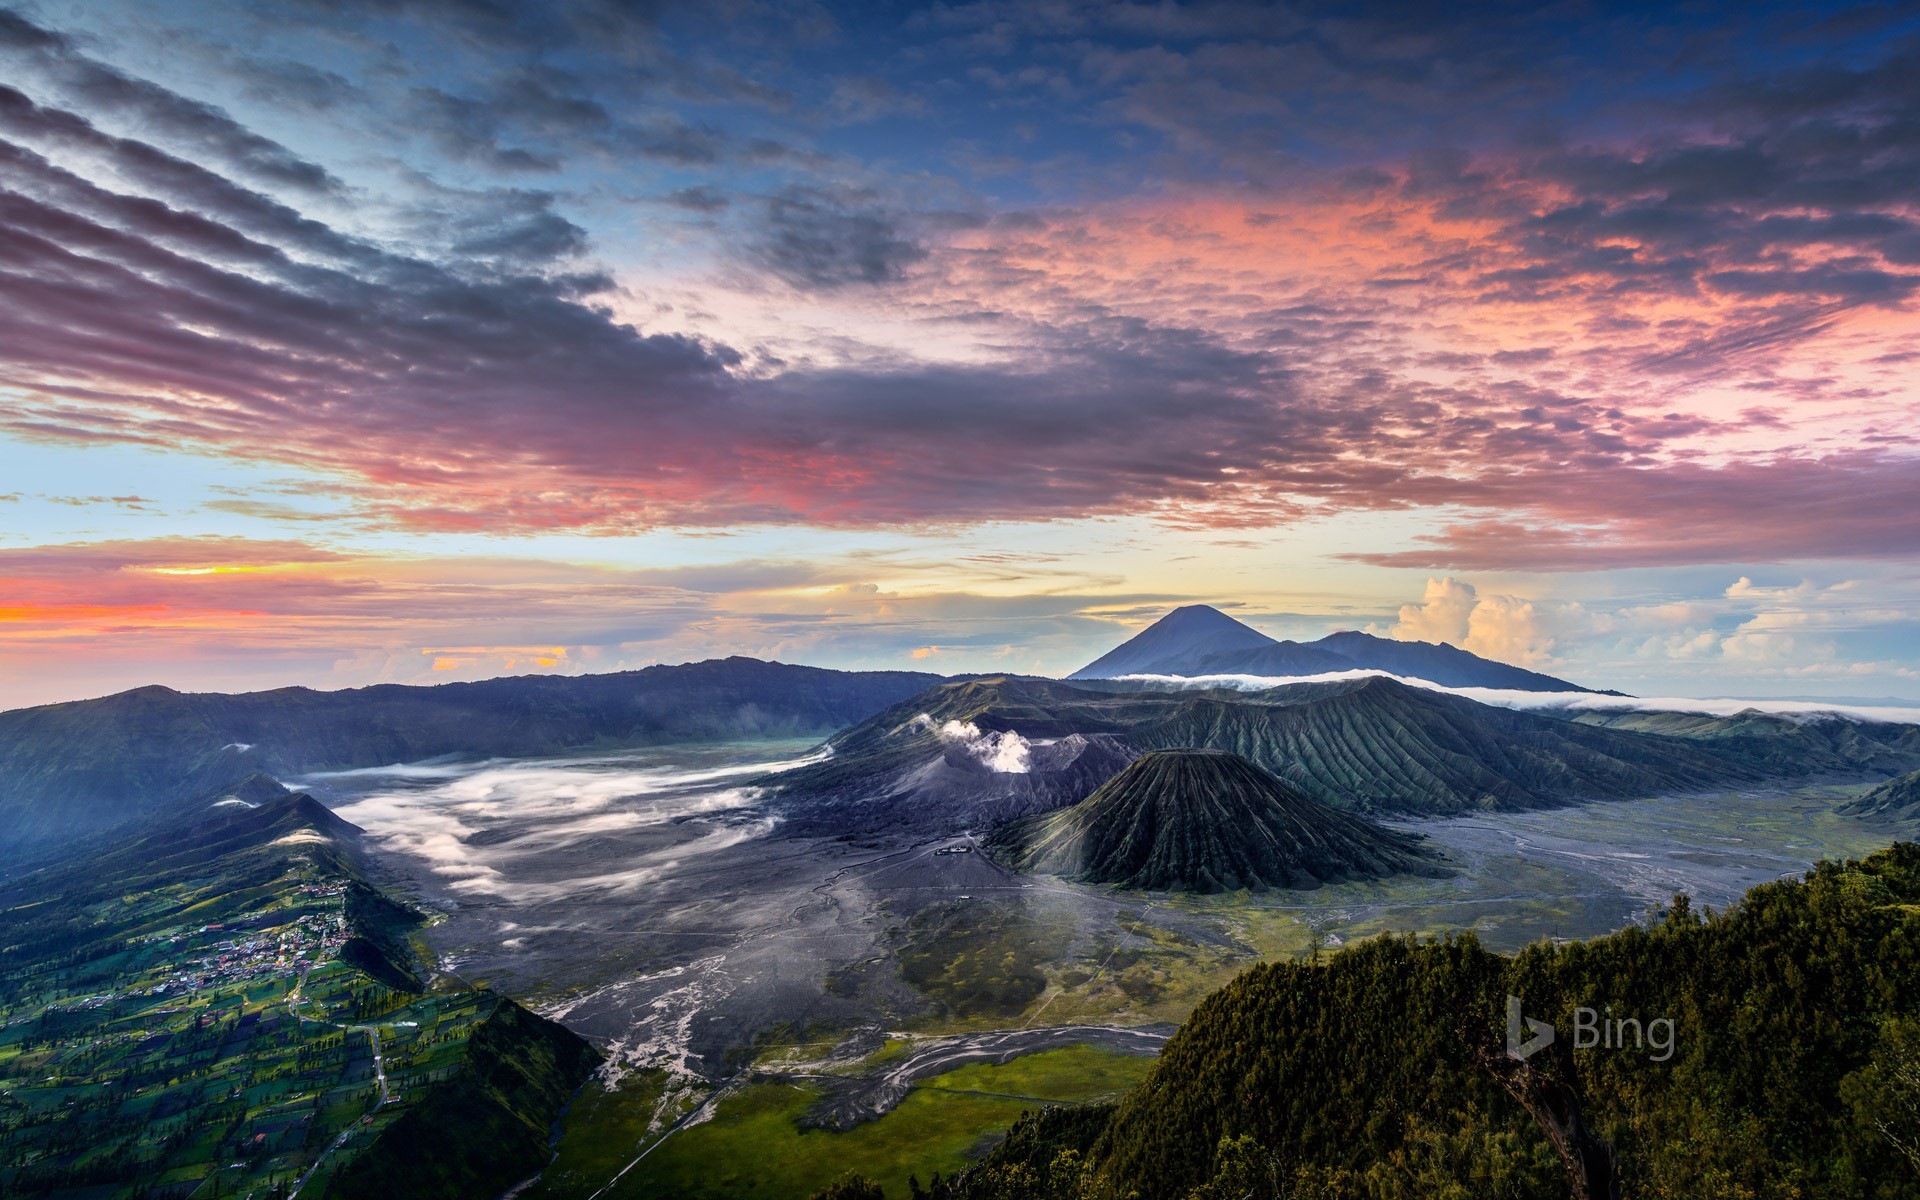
column 311, row 938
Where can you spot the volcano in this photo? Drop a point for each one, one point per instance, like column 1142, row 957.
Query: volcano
column 1206, row 821
column 1201, row 640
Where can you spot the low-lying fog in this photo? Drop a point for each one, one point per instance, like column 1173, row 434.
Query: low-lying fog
column 540, row 829
column 650, row 901
column 1563, row 702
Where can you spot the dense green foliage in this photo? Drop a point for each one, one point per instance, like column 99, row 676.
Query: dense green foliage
column 486, row 1128
column 760, row 1141
column 1794, row 1069
column 1044, row 1155
column 69, row 922
column 381, row 944
column 972, row 962
column 852, row 1186
column 69, row 769
column 1205, row 821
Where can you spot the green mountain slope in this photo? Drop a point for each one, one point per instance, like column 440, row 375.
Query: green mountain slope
column 1204, row 821
column 71, row 769
column 485, row 1129
column 1780, row 745
column 1898, row 799
column 211, row 1005
column 1381, row 1071
column 1379, row 744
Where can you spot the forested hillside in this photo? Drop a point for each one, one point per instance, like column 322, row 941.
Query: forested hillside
column 1793, row 1069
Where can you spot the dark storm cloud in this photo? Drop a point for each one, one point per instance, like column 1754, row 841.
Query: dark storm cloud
column 512, row 402
column 626, row 32
column 534, row 120
column 472, row 131
column 478, row 378
column 1786, row 214
column 178, row 182
column 541, row 120
column 532, row 236
column 287, row 84
column 133, row 319
column 513, row 23
column 674, row 141
column 815, row 238
column 164, row 308
column 413, row 77
column 197, row 127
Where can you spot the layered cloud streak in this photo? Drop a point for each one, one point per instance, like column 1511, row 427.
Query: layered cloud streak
column 1681, row 346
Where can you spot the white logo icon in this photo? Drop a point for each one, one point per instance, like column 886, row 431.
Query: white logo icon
column 1541, row 1031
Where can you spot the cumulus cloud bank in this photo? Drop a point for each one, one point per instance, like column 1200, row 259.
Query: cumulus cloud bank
column 1504, row 628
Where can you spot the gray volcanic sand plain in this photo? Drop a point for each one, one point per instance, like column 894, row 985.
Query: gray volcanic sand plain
column 650, row 902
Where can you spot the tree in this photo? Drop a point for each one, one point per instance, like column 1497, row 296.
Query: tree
column 1886, row 1093
column 851, row 1186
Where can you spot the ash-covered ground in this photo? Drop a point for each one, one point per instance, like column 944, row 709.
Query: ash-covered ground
column 655, row 905
column 650, row 904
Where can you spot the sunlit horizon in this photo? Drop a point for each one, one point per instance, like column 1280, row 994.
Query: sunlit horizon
column 429, row 342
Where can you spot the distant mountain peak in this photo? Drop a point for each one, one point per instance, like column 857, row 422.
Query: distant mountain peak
column 1185, row 635
column 1203, row 621
column 1207, row 614
column 1198, row 639
column 1439, row 662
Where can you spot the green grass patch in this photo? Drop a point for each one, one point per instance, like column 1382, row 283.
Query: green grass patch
column 603, row 1129
column 1071, row 1075
column 754, row 1145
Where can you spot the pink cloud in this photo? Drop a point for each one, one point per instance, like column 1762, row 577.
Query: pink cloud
column 1567, row 346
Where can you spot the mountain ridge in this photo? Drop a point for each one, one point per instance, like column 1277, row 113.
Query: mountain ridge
column 1198, row 640
column 245, row 916
column 1369, row 743
column 90, row 765
column 1897, row 799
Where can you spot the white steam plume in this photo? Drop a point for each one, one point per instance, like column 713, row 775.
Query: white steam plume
column 1002, row 751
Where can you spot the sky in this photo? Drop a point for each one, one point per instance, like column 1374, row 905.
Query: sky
column 356, row 341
